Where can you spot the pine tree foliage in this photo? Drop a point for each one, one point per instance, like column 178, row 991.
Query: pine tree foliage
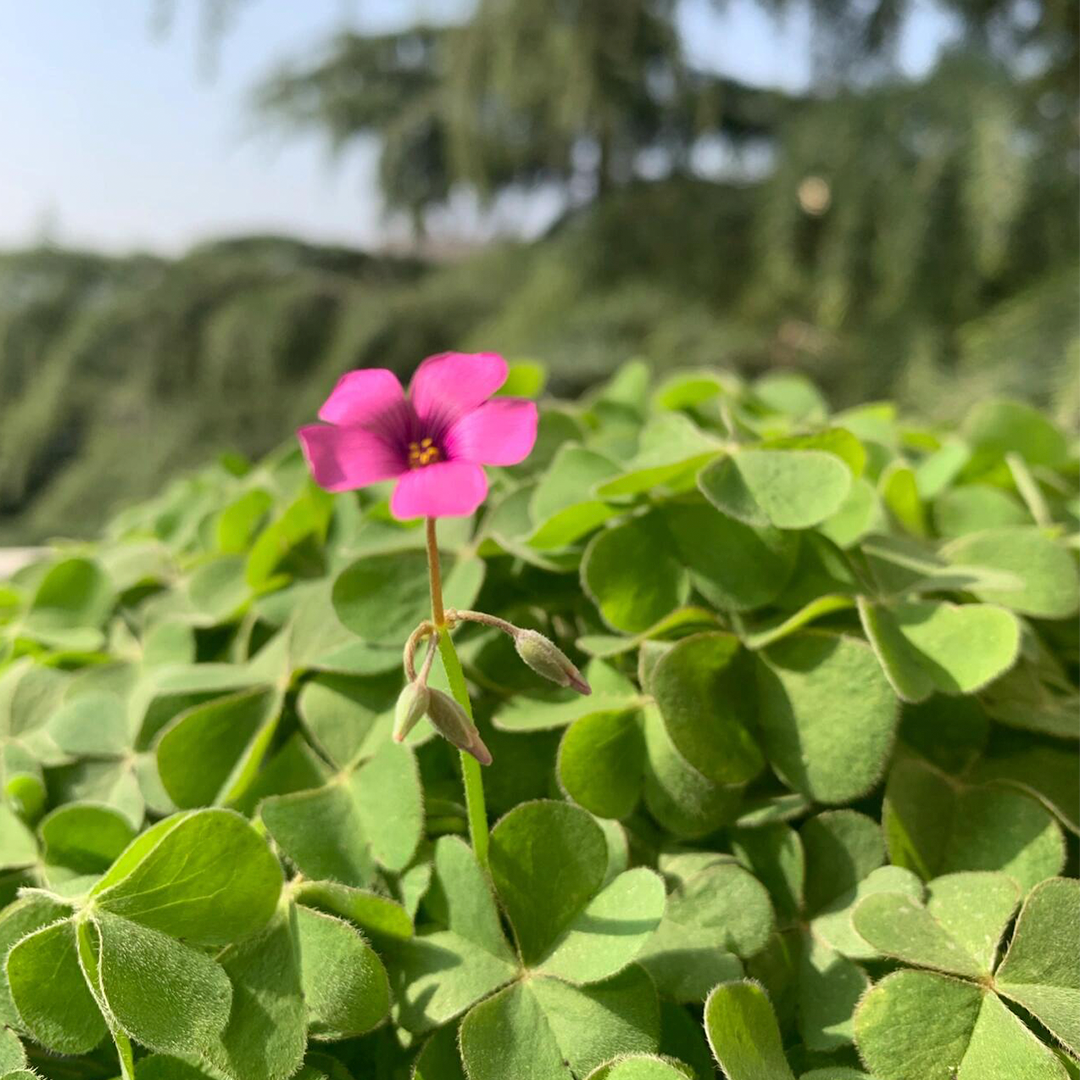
column 522, row 93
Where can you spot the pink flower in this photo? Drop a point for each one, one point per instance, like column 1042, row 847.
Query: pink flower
column 433, row 442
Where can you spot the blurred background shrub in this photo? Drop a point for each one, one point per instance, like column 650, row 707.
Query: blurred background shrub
column 888, row 234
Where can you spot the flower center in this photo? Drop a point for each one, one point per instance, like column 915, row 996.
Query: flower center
column 425, row 452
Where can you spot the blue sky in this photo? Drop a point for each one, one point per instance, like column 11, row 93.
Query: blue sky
column 115, row 138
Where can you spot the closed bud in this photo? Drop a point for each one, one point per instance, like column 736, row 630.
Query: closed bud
column 548, row 660
column 412, row 705
column 452, row 722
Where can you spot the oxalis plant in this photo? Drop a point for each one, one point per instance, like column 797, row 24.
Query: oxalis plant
column 786, row 786
column 434, row 444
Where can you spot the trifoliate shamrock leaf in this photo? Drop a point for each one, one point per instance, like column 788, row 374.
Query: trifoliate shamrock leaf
column 29, row 692
column 69, row 606
column 557, row 853
column 677, row 795
column 344, row 983
column 956, row 932
column 382, row 597
column 548, row 864
column 222, row 880
column 266, row 1034
column 442, row 973
column 899, row 491
column 743, row 1034
column 935, row 824
column 786, row 488
column 964, row 1024
column 712, row 918
column 915, row 1025
column 827, row 714
column 546, row 1029
column 52, row 1002
column 632, row 575
column 80, row 841
column 1040, row 968
column 927, row 646
column 642, row 1067
column 975, row 507
column 1048, row 584
column 560, row 508
column 735, row 566
column 341, row 831
column 671, row 450
column 699, row 689
column 211, row 753
column 1046, row 772
column 117, row 961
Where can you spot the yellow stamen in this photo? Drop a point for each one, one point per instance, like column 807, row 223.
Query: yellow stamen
column 423, row 453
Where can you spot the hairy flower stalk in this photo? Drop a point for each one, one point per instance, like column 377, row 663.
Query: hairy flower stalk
column 472, row 780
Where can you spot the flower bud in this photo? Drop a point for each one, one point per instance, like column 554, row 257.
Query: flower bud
column 548, row 660
column 412, row 704
column 452, row 722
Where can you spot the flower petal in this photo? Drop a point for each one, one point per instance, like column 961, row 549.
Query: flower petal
column 363, row 398
column 500, row 432
column 344, row 458
column 446, row 489
column 448, row 385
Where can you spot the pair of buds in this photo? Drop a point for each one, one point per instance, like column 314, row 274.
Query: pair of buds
column 448, row 718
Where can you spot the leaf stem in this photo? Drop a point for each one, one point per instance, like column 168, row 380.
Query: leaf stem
column 470, row 768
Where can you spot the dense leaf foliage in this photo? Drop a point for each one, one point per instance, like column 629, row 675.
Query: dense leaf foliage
column 817, row 818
